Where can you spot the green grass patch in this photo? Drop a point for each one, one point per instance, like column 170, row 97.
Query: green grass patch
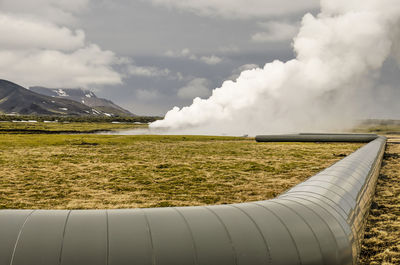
column 65, row 127
column 102, row 171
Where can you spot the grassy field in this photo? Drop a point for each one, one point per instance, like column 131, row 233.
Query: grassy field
column 382, row 127
column 100, row 171
column 381, row 243
column 88, row 118
column 64, row 127
column 97, row 171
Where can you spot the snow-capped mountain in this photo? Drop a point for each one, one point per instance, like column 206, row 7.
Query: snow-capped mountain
column 86, row 97
column 15, row 99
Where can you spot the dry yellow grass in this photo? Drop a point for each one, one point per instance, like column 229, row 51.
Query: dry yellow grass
column 381, row 243
column 99, row 171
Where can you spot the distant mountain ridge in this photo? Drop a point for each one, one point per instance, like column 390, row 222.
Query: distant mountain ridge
column 85, row 97
column 15, row 99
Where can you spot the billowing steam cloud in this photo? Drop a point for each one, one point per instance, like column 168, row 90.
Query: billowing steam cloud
column 339, row 56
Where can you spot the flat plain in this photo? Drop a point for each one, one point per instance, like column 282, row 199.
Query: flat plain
column 102, row 171
column 40, row 169
column 64, row 127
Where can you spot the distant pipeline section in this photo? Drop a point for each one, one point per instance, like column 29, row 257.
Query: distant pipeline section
column 318, row 137
column 320, row 221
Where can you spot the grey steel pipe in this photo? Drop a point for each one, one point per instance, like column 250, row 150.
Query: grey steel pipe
column 313, row 137
column 319, row 221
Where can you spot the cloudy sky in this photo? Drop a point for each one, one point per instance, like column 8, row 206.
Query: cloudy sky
column 146, row 55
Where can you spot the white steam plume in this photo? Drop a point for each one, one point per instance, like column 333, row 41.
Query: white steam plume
column 339, row 55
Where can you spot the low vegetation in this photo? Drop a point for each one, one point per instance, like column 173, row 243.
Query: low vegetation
column 100, row 171
column 381, row 127
column 87, row 118
column 64, row 127
column 381, row 243
column 59, row 171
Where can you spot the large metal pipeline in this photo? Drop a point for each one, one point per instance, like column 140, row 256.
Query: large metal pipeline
column 319, row 221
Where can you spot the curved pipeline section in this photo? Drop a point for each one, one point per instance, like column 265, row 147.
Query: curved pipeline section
column 319, row 221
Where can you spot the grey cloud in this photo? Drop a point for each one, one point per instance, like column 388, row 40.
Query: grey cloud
column 211, row 60
column 144, row 30
column 20, row 33
column 230, row 48
column 57, row 11
column 237, row 71
column 148, row 71
column 37, row 49
column 276, row 31
column 198, row 87
column 87, row 66
column 141, row 32
column 243, row 9
column 186, row 53
column 162, row 93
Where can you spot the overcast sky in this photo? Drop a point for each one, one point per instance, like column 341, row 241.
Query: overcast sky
column 146, row 55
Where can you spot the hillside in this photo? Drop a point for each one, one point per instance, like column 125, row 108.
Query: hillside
column 85, row 97
column 15, row 99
